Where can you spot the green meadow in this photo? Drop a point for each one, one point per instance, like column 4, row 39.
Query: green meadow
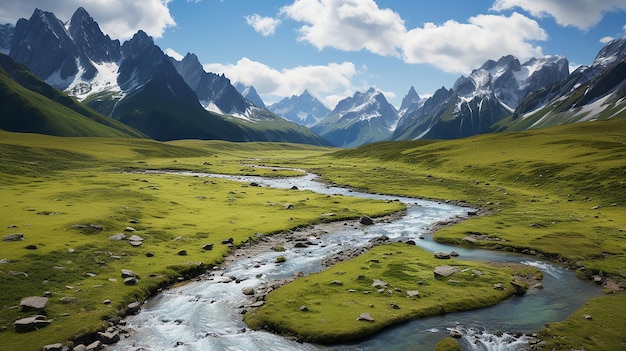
column 557, row 193
column 50, row 185
column 325, row 307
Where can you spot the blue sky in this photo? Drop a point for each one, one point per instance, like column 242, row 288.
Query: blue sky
column 337, row 47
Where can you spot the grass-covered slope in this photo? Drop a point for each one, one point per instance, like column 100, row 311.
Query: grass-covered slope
column 49, row 185
column 29, row 105
column 559, row 193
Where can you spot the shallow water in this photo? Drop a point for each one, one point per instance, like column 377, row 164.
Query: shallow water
column 205, row 315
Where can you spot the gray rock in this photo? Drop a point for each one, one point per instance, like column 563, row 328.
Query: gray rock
column 131, row 281
column 379, row 283
column 109, row 338
column 13, row 237
column 456, row 334
column 31, row 323
column 445, row 271
column 119, row 236
column 129, row 229
column 248, row 291
column 53, row 347
column 67, row 300
column 80, row 347
column 33, row 303
column 365, row 317
column 413, row 293
column 365, row 220
column 95, row 346
column 207, row 247
column 441, row 255
column 135, row 238
column 133, row 308
column 127, row 273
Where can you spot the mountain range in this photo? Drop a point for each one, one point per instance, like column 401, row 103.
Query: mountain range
column 137, row 84
column 137, row 90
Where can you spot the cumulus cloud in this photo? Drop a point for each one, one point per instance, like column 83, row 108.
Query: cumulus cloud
column 459, row 47
column 264, row 25
column 118, row 18
column 320, row 79
column 353, row 25
column 349, row 25
column 583, row 14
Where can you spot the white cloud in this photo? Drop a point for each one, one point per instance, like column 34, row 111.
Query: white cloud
column 118, row 18
column 606, row 40
column 583, row 14
column 264, row 25
column 173, row 54
column 460, row 47
column 349, row 25
column 270, row 82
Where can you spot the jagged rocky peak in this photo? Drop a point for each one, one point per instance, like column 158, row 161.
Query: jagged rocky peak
column 43, row 44
column 250, row 93
column 90, row 40
column 410, row 99
column 611, row 54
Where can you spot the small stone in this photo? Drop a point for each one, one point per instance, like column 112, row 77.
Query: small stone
column 365, row 317
column 182, row 253
column 129, row 229
column 248, row 291
column 304, row 308
column 587, row 317
column 207, row 247
column 106, row 302
column 13, row 237
column 131, row 281
column 53, row 347
column 413, row 293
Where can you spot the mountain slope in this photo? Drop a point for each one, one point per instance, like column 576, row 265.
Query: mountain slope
column 29, row 105
column 304, row 109
column 136, row 83
column 360, row 119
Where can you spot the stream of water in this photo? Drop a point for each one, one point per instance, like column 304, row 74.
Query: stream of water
column 206, row 315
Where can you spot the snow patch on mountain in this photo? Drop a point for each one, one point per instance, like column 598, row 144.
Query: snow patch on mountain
column 104, row 81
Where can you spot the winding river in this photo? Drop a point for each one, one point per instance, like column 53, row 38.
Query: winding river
column 206, row 314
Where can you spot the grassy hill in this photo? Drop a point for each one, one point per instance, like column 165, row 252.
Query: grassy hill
column 29, row 105
column 557, row 193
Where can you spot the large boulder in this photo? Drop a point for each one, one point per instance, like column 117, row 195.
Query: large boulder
column 31, row 323
column 445, row 271
column 365, row 220
column 33, row 303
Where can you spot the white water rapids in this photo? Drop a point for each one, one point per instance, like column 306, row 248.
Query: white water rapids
column 206, row 315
